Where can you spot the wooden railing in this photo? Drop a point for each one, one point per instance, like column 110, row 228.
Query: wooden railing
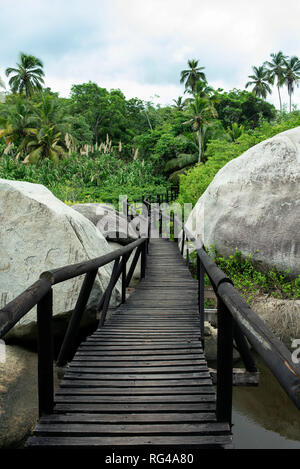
column 236, row 322
column 40, row 294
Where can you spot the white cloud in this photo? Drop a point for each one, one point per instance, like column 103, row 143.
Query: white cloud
column 141, row 47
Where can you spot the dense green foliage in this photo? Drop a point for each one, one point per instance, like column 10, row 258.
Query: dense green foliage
column 84, row 178
column 219, row 152
column 97, row 145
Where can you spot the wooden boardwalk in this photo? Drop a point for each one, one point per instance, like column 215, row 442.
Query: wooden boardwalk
column 142, row 379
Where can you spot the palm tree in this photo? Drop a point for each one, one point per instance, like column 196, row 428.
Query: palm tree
column 18, row 124
column 179, row 103
column 235, row 131
column 200, row 113
column 190, row 76
column 291, row 76
column 27, row 76
column 276, row 71
column 44, row 143
column 261, row 81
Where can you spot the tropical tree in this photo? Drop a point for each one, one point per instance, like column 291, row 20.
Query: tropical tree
column 27, row 76
column 192, row 75
column 180, row 103
column 291, row 76
column 44, row 143
column 17, row 123
column 200, row 113
column 235, row 131
column 275, row 69
column 260, row 80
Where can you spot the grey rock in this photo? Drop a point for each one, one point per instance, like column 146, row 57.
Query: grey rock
column 38, row 232
column 113, row 225
column 253, row 205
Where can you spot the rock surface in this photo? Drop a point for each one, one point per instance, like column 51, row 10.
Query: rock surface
column 38, row 232
column 112, row 224
column 282, row 316
column 18, row 396
column 253, row 204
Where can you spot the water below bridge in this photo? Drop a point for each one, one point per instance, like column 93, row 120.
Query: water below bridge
column 263, row 416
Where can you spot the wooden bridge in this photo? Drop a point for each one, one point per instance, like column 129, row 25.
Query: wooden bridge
column 141, row 379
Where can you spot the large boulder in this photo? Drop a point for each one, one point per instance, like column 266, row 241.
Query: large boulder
column 18, row 395
column 38, row 232
column 112, row 224
column 253, row 204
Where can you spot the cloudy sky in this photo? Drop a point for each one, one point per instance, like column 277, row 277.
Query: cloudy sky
column 141, row 46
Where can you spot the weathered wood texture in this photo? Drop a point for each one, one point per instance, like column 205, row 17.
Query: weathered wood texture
column 142, row 378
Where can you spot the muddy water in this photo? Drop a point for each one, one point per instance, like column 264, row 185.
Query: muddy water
column 264, row 416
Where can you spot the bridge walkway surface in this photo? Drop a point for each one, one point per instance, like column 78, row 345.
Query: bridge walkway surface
column 142, row 378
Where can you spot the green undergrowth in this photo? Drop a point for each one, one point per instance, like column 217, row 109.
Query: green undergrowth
column 84, row 178
column 250, row 281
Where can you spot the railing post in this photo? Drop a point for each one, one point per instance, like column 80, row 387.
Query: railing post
column 224, row 364
column 183, row 240
column 187, row 252
column 124, row 267
column 175, row 229
column 143, row 259
column 200, row 277
column 74, row 324
column 243, row 349
column 45, row 354
column 108, row 292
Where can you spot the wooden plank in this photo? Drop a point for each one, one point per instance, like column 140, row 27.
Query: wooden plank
column 74, row 429
column 161, row 391
column 137, row 376
column 73, row 381
column 130, row 418
column 139, row 399
column 86, row 361
column 164, row 441
column 125, row 407
column 121, row 358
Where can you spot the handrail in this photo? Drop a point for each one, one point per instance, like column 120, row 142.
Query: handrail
column 40, row 294
column 68, row 272
column 236, row 320
column 234, row 310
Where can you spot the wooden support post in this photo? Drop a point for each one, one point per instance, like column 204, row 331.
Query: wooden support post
column 187, row 253
column 200, row 277
column 68, row 344
column 109, row 292
column 133, row 264
column 182, row 244
column 224, row 364
column 45, row 354
column 124, row 266
column 243, row 349
column 143, row 260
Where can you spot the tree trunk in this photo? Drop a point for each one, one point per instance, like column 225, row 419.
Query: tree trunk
column 290, row 102
column 200, row 144
column 280, row 103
